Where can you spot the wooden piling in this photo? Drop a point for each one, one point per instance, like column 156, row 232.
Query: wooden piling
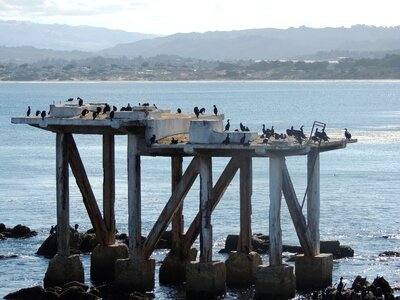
column 62, row 186
column 246, row 182
column 313, row 199
column 177, row 221
column 275, row 196
column 205, row 209
column 134, row 198
column 109, row 187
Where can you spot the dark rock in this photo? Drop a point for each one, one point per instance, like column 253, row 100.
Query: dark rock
column 8, row 256
column 390, row 253
column 21, row 231
column 88, row 243
column 122, row 236
column 32, row 293
column 83, row 286
column 76, row 293
column 138, row 296
column 2, row 227
column 381, row 284
column 259, row 243
column 49, row 246
column 49, row 295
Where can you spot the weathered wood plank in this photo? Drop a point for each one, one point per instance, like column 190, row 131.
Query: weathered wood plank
column 62, row 187
column 109, row 186
column 313, row 199
column 275, row 196
column 246, row 181
column 218, row 191
column 174, row 202
column 205, row 208
column 88, row 197
column 134, row 198
column 177, row 220
column 296, row 214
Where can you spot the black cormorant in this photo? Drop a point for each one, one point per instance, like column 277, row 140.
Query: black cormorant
column 340, row 285
column 76, row 227
column 202, row 110
column 95, row 114
column 84, row 112
column 28, row 112
column 52, row 230
column 37, row 113
column 242, row 127
column 128, row 108
column 98, row 109
column 347, row 134
column 243, row 138
column 80, row 101
column 112, row 115
column 70, row 99
column 154, row 106
column 196, row 111
column 215, row 110
column 153, row 139
column 228, row 125
column 264, row 131
column 114, row 108
column 106, row 108
column 272, row 130
column 174, row 141
column 43, row 114
column 227, row 140
column 179, row 110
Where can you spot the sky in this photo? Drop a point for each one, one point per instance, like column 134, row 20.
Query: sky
column 165, row 17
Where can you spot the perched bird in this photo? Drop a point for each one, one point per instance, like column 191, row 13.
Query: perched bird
column 128, row 108
column 28, row 112
column 43, row 114
column 174, row 141
column 154, row 106
column 112, row 115
column 80, row 101
column 215, row 110
column 340, row 285
column 325, row 137
column 84, row 112
column 228, row 125
column 52, row 230
column 264, row 131
column 106, row 108
column 114, row 108
column 347, row 134
column 153, row 139
column 272, row 130
column 227, row 140
column 70, row 99
column 178, row 111
column 76, row 227
column 37, row 113
column 242, row 127
column 202, row 110
column 95, row 113
column 196, row 111
column 98, row 109
column 243, row 138
column 265, row 141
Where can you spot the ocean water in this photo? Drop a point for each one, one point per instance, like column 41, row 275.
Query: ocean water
column 360, row 185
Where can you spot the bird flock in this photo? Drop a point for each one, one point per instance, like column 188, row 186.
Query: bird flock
column 267, row 133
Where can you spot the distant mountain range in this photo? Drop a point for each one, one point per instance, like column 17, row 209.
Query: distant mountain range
column 25, row 42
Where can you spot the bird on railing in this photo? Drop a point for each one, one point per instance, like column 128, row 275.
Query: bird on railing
column 347, row 134
column 228, row 125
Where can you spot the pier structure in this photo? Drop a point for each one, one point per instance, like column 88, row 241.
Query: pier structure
column 156, row 132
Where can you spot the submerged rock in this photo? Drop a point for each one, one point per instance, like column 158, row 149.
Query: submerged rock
column 36, row 292
column 19, row 231
column 390, row 253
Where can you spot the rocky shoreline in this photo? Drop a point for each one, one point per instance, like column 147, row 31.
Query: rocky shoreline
column 17, row 232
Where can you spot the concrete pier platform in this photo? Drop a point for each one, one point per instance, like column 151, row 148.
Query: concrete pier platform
column 134, row 275
column 173, row 268
column 241, row 268
column 63, row 269
column 313, row 272
column 205, row 280
column 102, row 261
column 275, row 282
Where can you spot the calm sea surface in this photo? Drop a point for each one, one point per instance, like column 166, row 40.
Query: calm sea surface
column 360, row 185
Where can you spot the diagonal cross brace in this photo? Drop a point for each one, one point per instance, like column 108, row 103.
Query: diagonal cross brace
column 296, row 214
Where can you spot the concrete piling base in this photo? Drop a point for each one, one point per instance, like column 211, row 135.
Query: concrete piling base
column 102, row 261
column 63, row 269
column 275, row 282
column 241, row 268
column 173, row 268
column 205, row 280
column 313, row 272
column 134, row 275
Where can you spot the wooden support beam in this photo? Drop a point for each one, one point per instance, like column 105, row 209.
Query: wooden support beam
column 218, row 191
column 177, row 220
column 62, row 187
column 313, row 199
column 109, row 186
column 296, row 214
column 275, row 196
column 205, row 172
column 246, row 178
column 134, row 198
column 88, row 197
column 173, row 204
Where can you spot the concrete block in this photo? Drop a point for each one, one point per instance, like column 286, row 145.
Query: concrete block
column 134, row 275
column 275, row 282
column 313, row 272
column 102, row 261
column 205, row 280
column 63, row 269
column 173, row 268
column 241, row 268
